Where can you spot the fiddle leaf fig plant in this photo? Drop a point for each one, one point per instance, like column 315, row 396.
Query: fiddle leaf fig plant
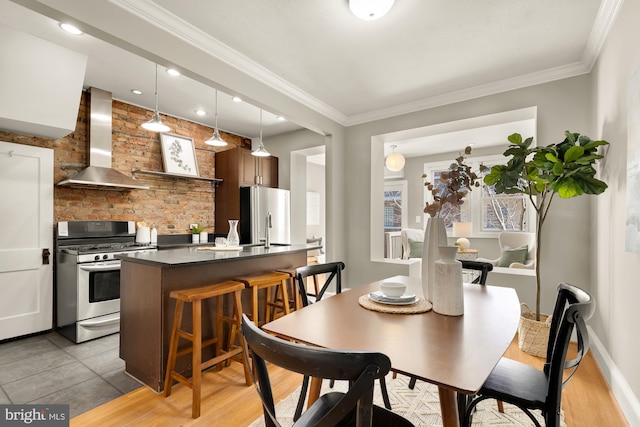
column 565, row 168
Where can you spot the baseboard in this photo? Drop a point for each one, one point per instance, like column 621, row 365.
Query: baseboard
column 626, row 398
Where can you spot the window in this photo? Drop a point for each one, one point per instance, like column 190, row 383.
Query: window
column 395, row 213
column 489, row 212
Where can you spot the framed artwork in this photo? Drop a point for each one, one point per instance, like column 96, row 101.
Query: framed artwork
column 178, row 155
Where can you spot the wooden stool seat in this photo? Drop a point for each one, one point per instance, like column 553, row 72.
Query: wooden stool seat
column 268, row 281
column 195, row 296
column 295, row 302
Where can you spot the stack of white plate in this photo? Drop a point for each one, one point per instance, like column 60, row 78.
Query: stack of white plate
column 406, row 299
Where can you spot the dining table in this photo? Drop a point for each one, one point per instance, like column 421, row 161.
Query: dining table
column 456, row 353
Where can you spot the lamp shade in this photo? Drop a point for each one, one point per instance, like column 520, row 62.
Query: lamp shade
column 461, row 229
column 394, row 161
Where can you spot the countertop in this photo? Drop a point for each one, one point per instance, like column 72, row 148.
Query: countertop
column 197, row 255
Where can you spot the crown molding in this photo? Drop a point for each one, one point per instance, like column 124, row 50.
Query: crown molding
column 605, row 18
column 151, row 12
column 493, row 88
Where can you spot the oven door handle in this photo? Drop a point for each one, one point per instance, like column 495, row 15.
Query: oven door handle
column 102, row 266
column 99, row 323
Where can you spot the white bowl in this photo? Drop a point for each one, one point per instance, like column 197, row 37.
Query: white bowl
column 393, row 289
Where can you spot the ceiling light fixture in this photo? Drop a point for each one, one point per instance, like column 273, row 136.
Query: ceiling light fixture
column 136, row 91
column 216, row 140
column 394, row 161
column 201, row 112
column 155, row 124
column 70, row 29
column 260, row 151
column 236, row 99
column 173, row 72
column 370, row 10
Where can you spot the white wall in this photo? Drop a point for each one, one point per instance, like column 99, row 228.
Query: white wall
column 562, row 105
column 616, row 286
column 315, row 183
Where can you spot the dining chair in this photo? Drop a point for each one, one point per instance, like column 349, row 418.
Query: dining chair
column 532, row 389
column 330, row 271
column 361, row 368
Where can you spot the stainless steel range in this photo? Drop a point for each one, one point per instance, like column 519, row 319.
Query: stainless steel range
column 88, row 276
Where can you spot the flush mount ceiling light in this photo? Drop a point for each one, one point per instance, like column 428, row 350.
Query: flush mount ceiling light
column 394, row 161
column 136, row 91
column 237, row 99
column 260, row 151
column 370, row 10
column 215, row 139
column 155, row 124
column 173, row 72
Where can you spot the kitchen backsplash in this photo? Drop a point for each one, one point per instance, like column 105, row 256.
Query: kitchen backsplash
column 170, row 205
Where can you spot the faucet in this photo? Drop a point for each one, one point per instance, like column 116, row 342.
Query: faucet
column 267, row 234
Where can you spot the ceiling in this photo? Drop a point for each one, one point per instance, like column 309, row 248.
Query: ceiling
column 423, row 53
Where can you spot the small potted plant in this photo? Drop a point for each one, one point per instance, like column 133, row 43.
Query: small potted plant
column 566, row 169
column 195, row 233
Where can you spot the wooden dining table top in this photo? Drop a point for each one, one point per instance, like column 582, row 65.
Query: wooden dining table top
column 454, row 352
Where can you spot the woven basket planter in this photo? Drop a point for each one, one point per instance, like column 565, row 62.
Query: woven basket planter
column 533, row 335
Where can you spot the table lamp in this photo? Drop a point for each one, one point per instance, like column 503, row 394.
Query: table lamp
column 462, row 230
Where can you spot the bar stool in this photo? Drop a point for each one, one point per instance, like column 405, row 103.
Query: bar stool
column 295, row 302
column 195, row 296
column 267, row 281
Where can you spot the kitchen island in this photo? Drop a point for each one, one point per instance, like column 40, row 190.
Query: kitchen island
column 146, row 310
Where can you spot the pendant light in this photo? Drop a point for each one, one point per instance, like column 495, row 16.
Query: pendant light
column 155, row 124
column 215, row 139
column 394, row 161
column 260, row 151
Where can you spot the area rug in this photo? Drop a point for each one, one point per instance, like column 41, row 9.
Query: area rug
column 420, row 406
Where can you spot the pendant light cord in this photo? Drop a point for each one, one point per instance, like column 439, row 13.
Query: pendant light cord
column 156, row 88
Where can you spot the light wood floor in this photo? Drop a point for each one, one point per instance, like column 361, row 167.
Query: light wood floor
column 228, row 402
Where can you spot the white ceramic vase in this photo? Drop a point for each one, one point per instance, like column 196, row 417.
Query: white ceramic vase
column 448, row 296
column 435, row 234
column 204, row 237
column 195, row 238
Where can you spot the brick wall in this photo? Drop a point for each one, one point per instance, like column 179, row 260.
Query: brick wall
column 170, row 205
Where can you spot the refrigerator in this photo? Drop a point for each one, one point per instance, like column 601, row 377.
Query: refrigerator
column 256, row 202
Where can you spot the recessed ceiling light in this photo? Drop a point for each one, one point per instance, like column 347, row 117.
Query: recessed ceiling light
column 237, row 99
column 173, row 72
column 281, row 119
column 136, row 91
column 201, row 112
column 70, row 29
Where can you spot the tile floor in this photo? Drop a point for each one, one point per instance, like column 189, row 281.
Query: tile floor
column 49, row 368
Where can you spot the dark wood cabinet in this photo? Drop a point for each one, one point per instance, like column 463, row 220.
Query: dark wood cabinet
column 238, row 168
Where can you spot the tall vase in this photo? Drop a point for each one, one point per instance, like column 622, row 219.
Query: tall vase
column 448, row 297
column 435, row 234
column 232, row 238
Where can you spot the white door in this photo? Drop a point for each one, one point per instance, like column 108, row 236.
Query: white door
column 26, row 230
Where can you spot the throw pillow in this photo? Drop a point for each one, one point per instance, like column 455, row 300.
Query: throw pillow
column 510, row 255
column 415, row 249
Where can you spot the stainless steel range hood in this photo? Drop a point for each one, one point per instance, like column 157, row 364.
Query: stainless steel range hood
column 99, row 174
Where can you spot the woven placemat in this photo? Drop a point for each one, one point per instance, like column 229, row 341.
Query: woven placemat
column 420, row 306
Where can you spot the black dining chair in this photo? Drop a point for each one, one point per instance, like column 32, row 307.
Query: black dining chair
column 483, row 267
column 532, row 389
column 352, row 408
column 329, row 271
